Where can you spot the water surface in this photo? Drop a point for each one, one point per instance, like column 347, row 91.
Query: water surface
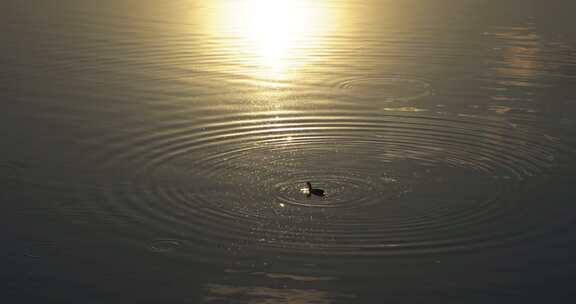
column 156, row 151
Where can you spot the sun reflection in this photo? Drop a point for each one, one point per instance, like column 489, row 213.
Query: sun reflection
column 517, row 69
column 271, row 39
column 273, row 27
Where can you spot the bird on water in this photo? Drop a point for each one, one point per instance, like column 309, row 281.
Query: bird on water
column 315, row 191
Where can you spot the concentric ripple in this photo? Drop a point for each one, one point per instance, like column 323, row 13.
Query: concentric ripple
column 344, row 189
column 164, row 245
column 388, row 89
column 397, row 183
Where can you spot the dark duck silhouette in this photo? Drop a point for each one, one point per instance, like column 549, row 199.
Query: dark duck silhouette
column 318, row 192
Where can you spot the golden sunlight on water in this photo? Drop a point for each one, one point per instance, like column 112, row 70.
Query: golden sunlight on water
column 177, row 139
column 271, row 40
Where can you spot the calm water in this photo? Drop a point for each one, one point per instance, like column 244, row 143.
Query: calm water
column 155, row 151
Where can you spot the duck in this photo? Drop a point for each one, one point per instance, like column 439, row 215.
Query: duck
column 315, row 191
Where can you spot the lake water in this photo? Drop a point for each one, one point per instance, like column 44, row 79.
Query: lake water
column 156, row 151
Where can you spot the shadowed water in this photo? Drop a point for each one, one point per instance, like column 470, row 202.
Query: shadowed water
column 157, row 151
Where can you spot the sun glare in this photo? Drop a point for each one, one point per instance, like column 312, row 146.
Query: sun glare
column 273, row 27
column 272, row 39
